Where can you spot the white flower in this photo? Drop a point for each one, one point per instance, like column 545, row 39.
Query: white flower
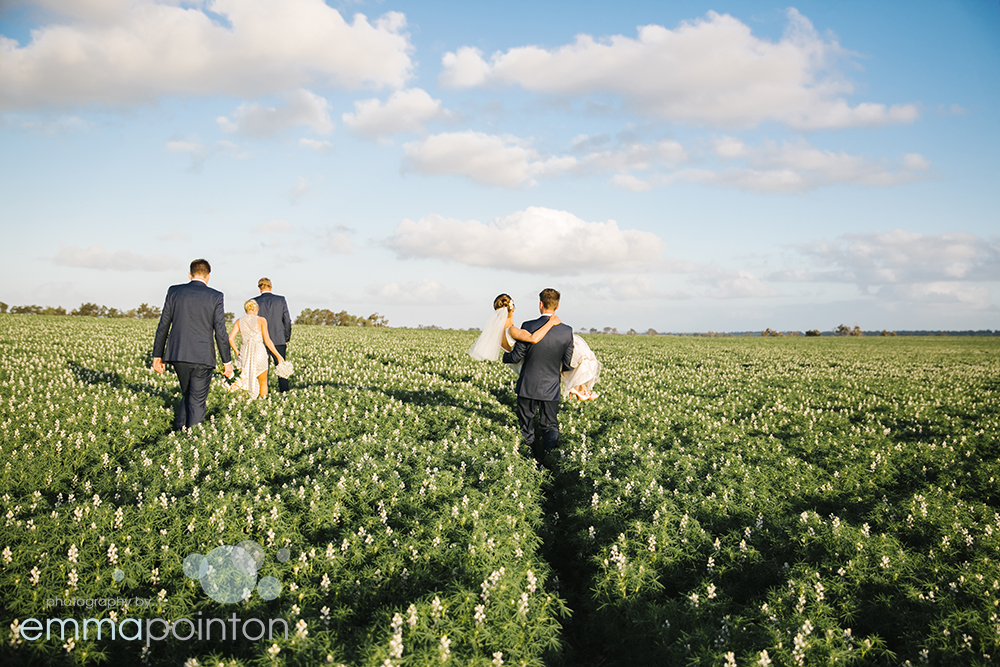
column 445, row 648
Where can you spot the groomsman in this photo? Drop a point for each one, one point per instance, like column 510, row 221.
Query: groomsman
column 191, row 315
column 274, row 309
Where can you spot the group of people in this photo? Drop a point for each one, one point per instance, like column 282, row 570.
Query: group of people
column 193, row 323
column 550, row 360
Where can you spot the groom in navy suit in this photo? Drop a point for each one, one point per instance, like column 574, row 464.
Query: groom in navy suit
column 538, row 384
column 274, row 309
column 192, row 314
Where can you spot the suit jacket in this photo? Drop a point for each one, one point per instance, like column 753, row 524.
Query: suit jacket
column 274, row 309
column 192, row 313
column 543, row 361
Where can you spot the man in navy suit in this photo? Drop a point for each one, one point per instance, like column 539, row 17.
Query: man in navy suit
column 192, row 314
column 538, row 384
column 274, row 309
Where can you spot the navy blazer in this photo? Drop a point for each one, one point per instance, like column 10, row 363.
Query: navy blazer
column 274, row 309
column 543, row 361
column 192, row 313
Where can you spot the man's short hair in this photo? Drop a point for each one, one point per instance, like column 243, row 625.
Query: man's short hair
column 549, row 298
column 264, row 283
column 200, row 267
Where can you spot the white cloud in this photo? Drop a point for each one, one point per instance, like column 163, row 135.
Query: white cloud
column 729, row 147
column 98, row 257
column 316, row 145
column 489, row 159
column 635, row 156
column 899, row 257
column 123, row 53
column 740, row 284
column 198, row 151
column 336, row 241
column 465, row 68
column 404, row 111
column 974, row 296
column 712, row 71
column 302, row 109
column 50, row 126
column 300, row 189
column 628, row 288
column 798, row 166
column 536, row 240
column 274, row 227
column 414, row 292
column 630, row 182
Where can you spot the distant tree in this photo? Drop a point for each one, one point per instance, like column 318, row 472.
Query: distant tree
column 3, row 307
column 844, row 330
column 376, row 320
column 632, row 332
column 49, row 310
column 89, row 310
column 593, row 330
column 886, row 332
column 229, row 317
column 813, row 332
column 27, row 310
column 147, row 312
column 328, row 318
column 769, row 332
column 651, row 332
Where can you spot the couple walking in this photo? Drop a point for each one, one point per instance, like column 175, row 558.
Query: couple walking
column 193, row 315
column 546, row 354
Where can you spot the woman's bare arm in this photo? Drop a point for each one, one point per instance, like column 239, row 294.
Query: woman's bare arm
column 503, row 339
column 232, row 337
column 520, row 334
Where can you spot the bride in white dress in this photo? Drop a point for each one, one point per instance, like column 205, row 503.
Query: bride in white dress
column 499, row 334
column 253, row 353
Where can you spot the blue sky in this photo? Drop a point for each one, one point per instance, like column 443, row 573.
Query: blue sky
column 683, row 166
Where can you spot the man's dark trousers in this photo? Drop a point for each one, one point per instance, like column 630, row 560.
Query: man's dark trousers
column 548, row 419
column 282, row 382
column 195, row 380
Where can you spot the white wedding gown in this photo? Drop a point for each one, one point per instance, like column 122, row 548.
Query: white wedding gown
column 586, row 367
column 253, row 356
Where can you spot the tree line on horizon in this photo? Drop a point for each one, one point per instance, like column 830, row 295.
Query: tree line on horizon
column 326, row 317
column 322, row 317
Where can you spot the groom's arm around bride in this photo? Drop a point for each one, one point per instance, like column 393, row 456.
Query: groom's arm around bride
column 538, row 388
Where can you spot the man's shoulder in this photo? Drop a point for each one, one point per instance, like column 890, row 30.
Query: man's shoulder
column 195, row 288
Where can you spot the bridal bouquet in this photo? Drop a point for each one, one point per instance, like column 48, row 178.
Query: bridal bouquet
column 230, row 381
column 284, row 369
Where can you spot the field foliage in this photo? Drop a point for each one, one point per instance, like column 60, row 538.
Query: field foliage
column 747, row 501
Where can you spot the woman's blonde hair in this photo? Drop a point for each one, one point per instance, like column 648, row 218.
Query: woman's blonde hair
column 250, row 305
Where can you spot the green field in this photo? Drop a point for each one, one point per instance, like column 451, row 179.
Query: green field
column 749, row 501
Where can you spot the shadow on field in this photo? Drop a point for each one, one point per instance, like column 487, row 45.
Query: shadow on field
column 113, row 379
column 423, row 397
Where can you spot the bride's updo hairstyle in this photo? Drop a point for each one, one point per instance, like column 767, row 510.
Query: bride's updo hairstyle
column 250, row 305
column 502, row 301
